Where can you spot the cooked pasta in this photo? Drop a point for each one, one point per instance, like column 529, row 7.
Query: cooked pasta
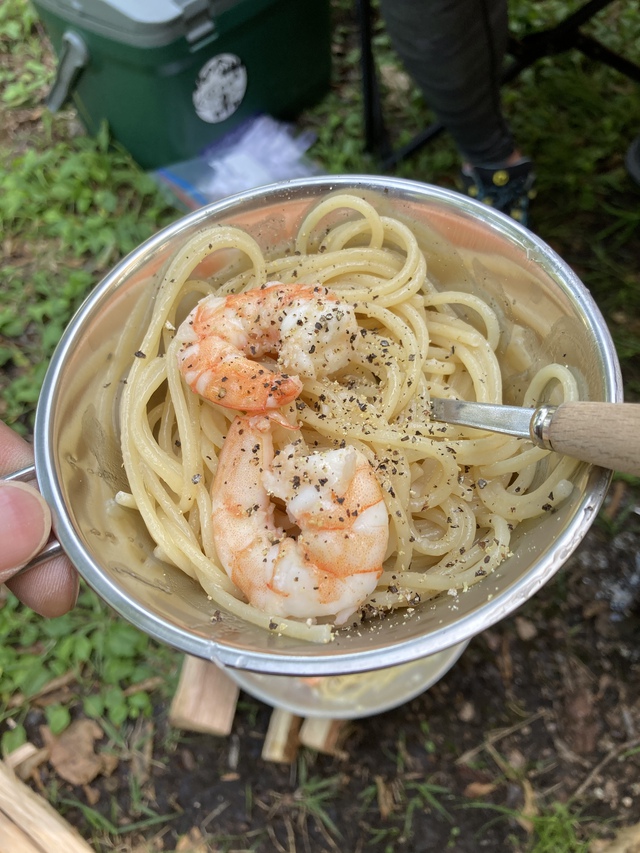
column 452, row 496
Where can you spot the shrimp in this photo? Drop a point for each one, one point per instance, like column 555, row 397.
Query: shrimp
column 334, row 499
column 309, row 329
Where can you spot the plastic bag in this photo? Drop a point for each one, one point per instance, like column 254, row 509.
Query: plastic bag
column 258, row 152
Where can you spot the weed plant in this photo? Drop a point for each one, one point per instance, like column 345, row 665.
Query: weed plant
column 71, row 206
column 108, row 666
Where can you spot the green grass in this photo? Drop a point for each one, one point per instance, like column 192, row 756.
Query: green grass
column 103, row 659
column 112, row 673
column 67, row 214
column 557, row 828
column 71, row 206
column 31, row 68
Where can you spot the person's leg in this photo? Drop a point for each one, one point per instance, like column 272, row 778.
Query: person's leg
column 454, row 50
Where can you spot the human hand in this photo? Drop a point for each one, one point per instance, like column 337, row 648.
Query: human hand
column 25, row 525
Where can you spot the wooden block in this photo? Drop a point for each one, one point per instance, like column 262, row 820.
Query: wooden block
column 281, row 741
column 25, row 759
column 19, row 755
column 13, row 839
column 205, row 700
column 26, row 815
column 323, row 735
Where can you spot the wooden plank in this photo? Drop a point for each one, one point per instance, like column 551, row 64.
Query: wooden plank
column 25, row 759
column 22, row 753
column 13, row 839
column 205, row 700
column 281, row 741
column 45, row 829
column 323, row 735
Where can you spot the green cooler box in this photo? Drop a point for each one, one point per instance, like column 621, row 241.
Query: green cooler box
column 171, row 76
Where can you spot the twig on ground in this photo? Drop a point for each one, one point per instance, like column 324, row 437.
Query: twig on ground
column 610, row 756
column 56, row 683
column 494, row 737
column 565, row 752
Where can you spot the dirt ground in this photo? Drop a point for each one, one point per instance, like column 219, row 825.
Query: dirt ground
column 545, row 704
column 542, row 709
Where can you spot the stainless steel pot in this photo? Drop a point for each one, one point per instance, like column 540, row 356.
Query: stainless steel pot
column 78, row 458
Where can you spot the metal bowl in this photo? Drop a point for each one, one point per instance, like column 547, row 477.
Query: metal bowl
column 78, row 457
column 349, row 697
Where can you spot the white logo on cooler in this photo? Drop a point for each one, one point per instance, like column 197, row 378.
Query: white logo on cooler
column 221, row 85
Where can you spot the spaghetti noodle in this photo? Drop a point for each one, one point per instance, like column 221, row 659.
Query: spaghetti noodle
column 453, row 495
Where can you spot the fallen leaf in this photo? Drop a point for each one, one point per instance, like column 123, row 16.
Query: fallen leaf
column 478, row 790
column 92, row 794
column 109, row 762
column 72, row 753
column 386, row 803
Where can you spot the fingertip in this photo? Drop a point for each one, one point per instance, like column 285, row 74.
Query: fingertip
column 25, row 525
column 50, row 589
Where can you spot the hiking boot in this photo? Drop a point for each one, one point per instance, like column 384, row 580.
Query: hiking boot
column 506, row 188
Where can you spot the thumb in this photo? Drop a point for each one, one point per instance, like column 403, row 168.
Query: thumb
column 25, row 524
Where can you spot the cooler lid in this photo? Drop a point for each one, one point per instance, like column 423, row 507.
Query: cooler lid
column 143, row 23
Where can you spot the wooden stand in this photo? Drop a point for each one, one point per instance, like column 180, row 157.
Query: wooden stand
column 283, row 737
column 323, row 734
column 206, row 699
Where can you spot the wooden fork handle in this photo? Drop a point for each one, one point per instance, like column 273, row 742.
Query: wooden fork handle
column 606, row 434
